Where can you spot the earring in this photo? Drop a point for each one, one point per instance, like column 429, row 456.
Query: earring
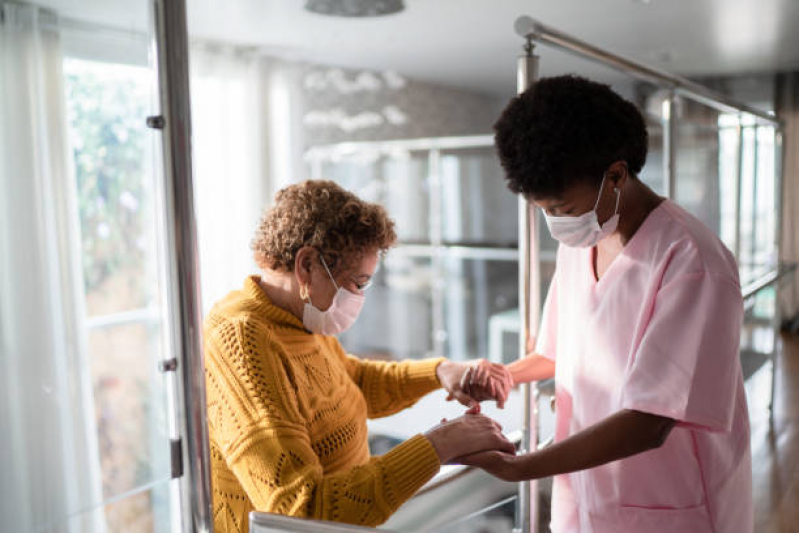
column 304, row 295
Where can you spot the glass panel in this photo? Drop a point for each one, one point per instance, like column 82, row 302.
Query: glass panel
column 497, row 517
column 399, row 181
column 481, row 309
column 729, row 158
column 764, row 217
column 407, row 194
column 83, row 329
column 145, row 511
column 697, row 162
column 107, row 105
column 396, row 322
column 129, row 405
column 477, row 208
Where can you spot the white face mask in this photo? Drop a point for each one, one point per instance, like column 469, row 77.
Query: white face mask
column 341, row 314
column 584, row 231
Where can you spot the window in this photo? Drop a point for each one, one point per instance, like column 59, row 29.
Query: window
column 113, row 156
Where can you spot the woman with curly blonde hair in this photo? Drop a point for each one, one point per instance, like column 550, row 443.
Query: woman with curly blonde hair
column 287, row 406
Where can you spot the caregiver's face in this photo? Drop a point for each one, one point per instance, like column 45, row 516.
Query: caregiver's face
column 581, row 197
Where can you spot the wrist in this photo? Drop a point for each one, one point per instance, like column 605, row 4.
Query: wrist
column 442, row 369
column 433, row 438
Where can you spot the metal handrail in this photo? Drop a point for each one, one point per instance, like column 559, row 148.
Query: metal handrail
column 261, row 522
column 534, row 30
column 183, row 279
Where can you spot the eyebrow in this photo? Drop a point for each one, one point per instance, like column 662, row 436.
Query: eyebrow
column 556, row 206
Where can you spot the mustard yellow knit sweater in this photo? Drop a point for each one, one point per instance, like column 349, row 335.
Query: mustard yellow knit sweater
column 287, row 417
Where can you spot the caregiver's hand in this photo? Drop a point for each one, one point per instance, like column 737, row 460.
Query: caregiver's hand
column 467, row 435
column 475, row 381
column 497, row 463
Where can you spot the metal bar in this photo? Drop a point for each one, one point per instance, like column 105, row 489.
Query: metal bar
column 529, row 303
column 145, row 315
column 386, row 147
column 536, row 31
column 779, row 186
column 751, row 289
column 436, row 240
column 183, row 281
column 755, row 163
column 738, row 188
column 462, row 252
column 669, row 113
column 261, row 522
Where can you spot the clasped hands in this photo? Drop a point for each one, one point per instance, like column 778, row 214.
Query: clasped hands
column 473, row 437
column 475, row 381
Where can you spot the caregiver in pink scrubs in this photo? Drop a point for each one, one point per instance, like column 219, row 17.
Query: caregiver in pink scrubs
column 640, row 329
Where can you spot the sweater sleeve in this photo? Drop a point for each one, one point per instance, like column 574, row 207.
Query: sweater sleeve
column 255, row 421
column 390, row 386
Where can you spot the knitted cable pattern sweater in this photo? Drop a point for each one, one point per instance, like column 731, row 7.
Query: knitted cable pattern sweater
column 287, row 414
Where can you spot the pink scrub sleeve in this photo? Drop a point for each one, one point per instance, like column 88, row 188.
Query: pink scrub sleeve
column 546, row 344
column 685, row 365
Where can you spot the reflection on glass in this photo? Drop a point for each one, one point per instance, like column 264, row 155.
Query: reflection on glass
column 129, row 404
column 144, row 511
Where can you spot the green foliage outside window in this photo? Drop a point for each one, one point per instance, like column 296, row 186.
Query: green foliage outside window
column 107, row 107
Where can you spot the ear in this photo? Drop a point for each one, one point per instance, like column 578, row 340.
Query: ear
column 618, row 173
column 303, row 264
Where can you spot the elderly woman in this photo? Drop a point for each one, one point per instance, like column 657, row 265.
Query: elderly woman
column 287, row 406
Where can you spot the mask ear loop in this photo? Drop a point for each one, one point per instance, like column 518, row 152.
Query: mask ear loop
column 601, row 186
column 618, row 197
column 322, row 259
column 615, row 189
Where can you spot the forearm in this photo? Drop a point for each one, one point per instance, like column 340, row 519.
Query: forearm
column 534, row 367
column 300, row 487
column 621, row 435
column 390, row 387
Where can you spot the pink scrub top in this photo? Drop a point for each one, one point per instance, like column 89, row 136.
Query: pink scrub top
column 658, row 333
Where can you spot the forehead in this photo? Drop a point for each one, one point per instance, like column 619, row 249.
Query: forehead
column 363, row 264
column 577, row 194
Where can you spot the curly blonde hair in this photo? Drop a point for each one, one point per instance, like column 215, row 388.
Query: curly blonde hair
column 326, row 217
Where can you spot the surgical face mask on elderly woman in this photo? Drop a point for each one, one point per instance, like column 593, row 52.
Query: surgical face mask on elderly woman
column 341, row 314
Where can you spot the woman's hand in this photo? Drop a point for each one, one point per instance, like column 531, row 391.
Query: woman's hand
column 466, row 435
column 497, row 463
column 475, row 381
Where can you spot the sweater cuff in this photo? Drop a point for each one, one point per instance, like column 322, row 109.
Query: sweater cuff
column 412, row 464
column 421, row 377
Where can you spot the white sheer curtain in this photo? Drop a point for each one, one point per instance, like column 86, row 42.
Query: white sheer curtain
column 245, row 146
column 50, row 461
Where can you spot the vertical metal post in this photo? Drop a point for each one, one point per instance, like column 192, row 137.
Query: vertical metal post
column 755, row 163
column 777, row 318
column 183, row 278
column 529, row 307
column 669, row 121
column 436, row 240
column 738, row 187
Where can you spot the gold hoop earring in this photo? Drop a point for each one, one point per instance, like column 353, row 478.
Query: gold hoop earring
column 304, row 293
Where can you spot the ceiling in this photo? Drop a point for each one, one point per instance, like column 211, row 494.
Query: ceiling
column 471, row 43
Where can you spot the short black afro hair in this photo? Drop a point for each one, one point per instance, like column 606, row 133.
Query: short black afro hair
column 567, row 129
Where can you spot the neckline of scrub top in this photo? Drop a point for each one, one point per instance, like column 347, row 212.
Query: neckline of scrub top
column 624, row 255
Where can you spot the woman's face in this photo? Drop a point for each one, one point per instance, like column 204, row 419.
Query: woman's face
column 580, row 199
column 321, row 289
